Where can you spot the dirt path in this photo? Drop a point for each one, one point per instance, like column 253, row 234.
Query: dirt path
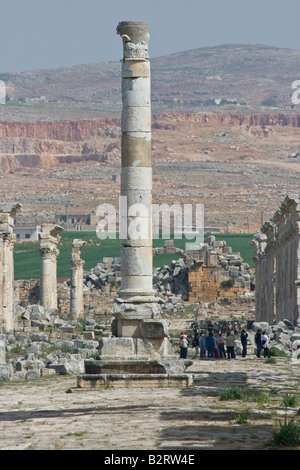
column 40, row 415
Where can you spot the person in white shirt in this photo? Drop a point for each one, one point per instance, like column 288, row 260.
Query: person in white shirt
column 265, row 344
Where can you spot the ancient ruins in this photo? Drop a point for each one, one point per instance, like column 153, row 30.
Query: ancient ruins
column 7, row 239
column 49, row 238
column 135, row 347
column 277, row 264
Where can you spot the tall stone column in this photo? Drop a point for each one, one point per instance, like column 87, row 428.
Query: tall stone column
column 76, row 290
column 259, row 242
column 136, row 299
column 7, row 238
column 49, row 238
column 136, row 175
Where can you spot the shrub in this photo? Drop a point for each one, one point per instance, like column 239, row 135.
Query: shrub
column 277, row 352
column 290, row 400
column 232, row 393
column 243, row 417
column 228, row 283
column 287, row 435
column 271, row 360
column 18, row 349
column 235, row 393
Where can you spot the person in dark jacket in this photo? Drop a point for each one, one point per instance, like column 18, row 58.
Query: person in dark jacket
column 258, row 343
column 210, row 344
column 244, row 336
column 195, row 344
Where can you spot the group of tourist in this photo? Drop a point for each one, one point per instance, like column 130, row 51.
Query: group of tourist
column 219, row 342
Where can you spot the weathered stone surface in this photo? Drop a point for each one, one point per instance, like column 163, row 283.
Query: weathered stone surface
column 154, row 328
column 133, row 381
column 116, row 348
column 70, row 364
column 6, row 372
column 136, row 366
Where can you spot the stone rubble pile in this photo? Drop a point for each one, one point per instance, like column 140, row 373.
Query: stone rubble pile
column 170, row 282
column 103, row 274
column 47, row 344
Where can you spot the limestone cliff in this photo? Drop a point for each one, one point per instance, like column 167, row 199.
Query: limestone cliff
column 50, row 143
column 33, row 144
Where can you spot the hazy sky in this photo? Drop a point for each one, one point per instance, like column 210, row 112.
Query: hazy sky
column 37, row 34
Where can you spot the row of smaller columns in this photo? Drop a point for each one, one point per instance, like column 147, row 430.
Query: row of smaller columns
column 49, row 239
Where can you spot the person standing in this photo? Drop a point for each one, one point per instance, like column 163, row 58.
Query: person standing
column 195, row 344
column 244, row 336
column 265, row 344
column 183, row 346
column 221, row 345
column 210, row 344
column 210, row 326
column 202, row 343
column 258, row 343
column 230, row 345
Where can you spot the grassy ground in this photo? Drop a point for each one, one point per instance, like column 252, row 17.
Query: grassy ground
column 27, row 257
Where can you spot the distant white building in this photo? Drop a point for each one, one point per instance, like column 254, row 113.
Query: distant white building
column 27, row 233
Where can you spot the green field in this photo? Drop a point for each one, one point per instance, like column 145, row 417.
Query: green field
column 27, row 257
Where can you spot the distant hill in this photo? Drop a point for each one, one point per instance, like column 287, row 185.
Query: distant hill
column 228, row 78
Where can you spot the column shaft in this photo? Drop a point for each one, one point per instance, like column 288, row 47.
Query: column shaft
column 49, row 238
column 76, row 289
column 136, row 175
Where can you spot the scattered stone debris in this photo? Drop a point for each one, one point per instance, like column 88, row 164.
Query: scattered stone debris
column 47, row 344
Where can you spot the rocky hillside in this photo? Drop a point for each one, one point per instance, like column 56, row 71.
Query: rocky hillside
column 238, row 78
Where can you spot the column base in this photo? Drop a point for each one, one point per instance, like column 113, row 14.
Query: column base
column 134, row 374
column 97, row 382
column 139, row 354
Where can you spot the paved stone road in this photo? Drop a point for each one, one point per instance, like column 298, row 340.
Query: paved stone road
column 40, row 415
